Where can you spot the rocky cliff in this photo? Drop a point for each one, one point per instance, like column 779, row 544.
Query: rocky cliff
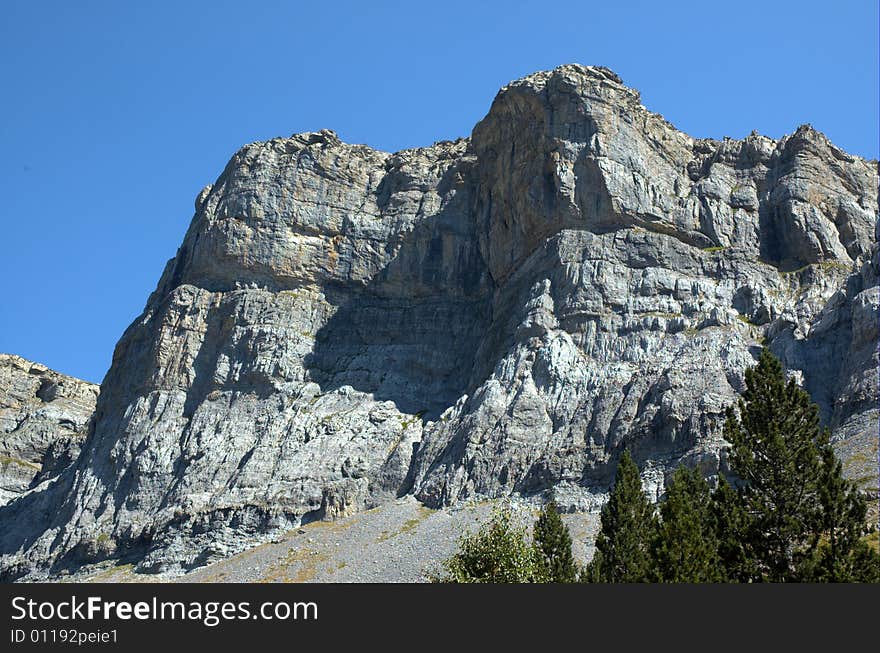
column 43, row 418
column 498, row 315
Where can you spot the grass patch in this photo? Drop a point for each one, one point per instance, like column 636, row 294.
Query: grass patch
column 407, row 526
column 788, row 273
column 335, row 526
column 308, row 570
column 112, row 573
column 825, row 266
column 307, row 560
column 833, row 265
column 712, row 250
column 7, row 461
column 410, row 524
column 406, row 423
column 860, row 457
column 667, row 316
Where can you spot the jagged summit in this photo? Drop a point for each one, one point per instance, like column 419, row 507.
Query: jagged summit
column 570, row 71
column 496, row 315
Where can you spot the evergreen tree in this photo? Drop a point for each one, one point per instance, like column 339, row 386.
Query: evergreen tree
column 864, row 564
column 498, row 553
column 732, row 526
column 840, row 554
column 553, row 542
column 685, row 549
column 628, row 524
column 775, row 451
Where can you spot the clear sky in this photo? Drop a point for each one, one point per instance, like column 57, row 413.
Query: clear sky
column 113, row 115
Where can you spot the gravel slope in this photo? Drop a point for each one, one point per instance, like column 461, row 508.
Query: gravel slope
column 400, row 542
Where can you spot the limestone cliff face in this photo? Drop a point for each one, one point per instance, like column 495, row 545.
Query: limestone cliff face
column 43, row 417
column 500, row 314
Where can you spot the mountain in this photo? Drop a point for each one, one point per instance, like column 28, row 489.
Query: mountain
column 499, row 315
column 43, row 418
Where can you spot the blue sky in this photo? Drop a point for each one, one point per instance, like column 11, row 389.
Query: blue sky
column 115, row 114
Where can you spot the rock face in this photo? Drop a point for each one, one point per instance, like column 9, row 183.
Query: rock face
column 43, row 416
column 496, row 315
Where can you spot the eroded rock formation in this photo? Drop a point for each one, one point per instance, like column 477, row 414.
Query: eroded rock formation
column 499, row 314
column 43, row 419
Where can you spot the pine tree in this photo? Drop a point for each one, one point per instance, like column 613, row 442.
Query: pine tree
column 732, row 527
column 685, row 549
column 840, row 554
column 628, row 524
column 553, row 542
column 776, row 454
column 864, row 564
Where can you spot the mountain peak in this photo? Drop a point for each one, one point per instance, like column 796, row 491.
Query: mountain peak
column 492, row 317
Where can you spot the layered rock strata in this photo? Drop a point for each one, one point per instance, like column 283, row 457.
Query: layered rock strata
column 43, row 420
column 498, row 315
